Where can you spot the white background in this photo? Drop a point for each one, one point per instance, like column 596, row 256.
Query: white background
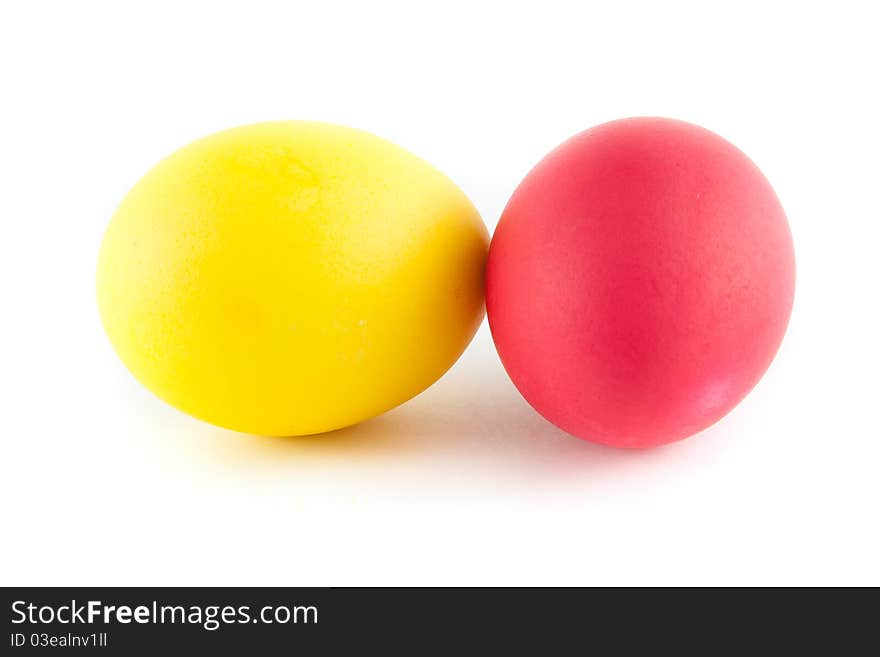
column 103, row 484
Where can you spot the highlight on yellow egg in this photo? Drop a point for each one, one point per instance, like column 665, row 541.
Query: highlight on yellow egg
column 292, row 277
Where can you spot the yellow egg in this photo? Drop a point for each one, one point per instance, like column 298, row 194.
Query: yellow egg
column 292, row 277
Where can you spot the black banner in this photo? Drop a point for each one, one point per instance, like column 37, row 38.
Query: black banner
column 130, row 621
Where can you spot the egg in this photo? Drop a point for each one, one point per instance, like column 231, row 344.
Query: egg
column 292, row 277
column 640, row 282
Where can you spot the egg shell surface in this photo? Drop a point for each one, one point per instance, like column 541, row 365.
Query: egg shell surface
column 291, row 277
column 640, row 281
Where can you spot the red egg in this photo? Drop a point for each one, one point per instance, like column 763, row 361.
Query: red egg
column 640, row 281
